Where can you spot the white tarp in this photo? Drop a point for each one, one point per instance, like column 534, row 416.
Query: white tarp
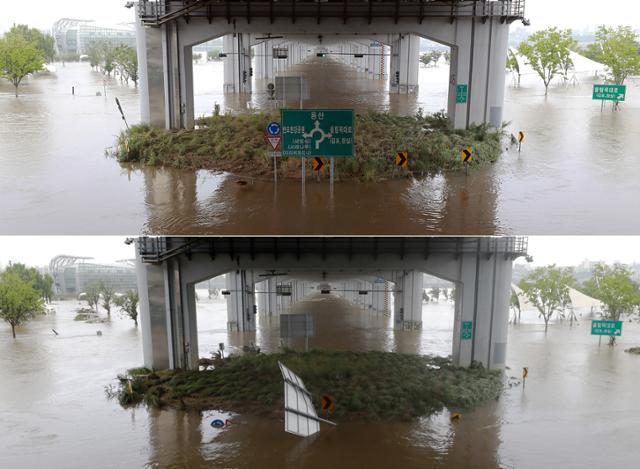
column 300, row 417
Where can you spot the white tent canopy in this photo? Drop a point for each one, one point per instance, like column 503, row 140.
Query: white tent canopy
column 579, row 301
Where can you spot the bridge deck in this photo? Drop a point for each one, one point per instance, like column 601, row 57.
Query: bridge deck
column 157, row 12
column 155, row 250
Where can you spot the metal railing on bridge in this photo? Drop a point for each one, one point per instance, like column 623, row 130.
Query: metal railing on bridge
column 157, row 12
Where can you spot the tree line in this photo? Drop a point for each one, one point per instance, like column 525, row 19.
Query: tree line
column 25, row 51
column 107, row 58
column 101, row 293
column 548, row 52
column 24, row 291
column 547, row 289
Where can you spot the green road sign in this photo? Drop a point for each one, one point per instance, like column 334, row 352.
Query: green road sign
column 609, row 92
column 462, row 91
column 466, row 332
column 606, row 327
column 317, row 132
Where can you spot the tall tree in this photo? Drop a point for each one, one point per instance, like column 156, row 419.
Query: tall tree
column 94, row 53
column 128, row 303
column 547, row 288
column 513, row 65
column 614, row 286
column 618, row 49
column 19, row 301
column 42, row 283
column 435, row 293
column 514, row 304
column 108, row 296
column 43, row 42
column 18, row 59
column 92, row 296
column 548, row 53
column 430, row 57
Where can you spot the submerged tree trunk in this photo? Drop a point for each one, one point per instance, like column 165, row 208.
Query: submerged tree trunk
column 13, row 330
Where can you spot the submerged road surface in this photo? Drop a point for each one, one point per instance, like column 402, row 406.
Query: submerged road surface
column 577, row 172
column 579, row 408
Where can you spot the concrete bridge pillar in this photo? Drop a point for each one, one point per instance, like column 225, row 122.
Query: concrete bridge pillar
column 378, row 294
column 152, row 76
column 477, row 75
column 408, row 300
column 241, row 306
column 153, row 315
column 258, row 60
column 261, row 297
column 297, row 291
column 482, row 305
column 237, row 63
column 167, row 316
column 272, row 299
column 284, row 302
column 405, row 63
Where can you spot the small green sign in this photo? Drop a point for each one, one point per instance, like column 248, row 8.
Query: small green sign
column 606, row 327
column 317, row 132
column 466, row 332
column 462, row 91
column 609, row 92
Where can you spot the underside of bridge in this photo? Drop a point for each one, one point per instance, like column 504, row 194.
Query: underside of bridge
column 265, row 37
column 269, row 275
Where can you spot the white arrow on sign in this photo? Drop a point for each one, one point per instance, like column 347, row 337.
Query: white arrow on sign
column 620, row 96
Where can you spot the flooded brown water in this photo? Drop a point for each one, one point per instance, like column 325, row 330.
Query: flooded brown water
column 579, row 408
column 576, row 174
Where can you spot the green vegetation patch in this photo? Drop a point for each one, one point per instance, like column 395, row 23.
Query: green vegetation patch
column 235, row 143
column 364, row 386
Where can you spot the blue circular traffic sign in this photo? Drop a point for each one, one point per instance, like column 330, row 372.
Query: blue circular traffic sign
column 273, row 129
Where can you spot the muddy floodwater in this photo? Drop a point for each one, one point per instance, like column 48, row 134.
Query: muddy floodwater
column 579, row 407
column 576, row 174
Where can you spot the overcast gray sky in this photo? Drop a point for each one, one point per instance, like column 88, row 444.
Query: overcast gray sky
column 563, row 250
column 542, row 13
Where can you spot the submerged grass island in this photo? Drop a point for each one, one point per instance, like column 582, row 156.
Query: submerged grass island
column 235, row 143
column 364, row 385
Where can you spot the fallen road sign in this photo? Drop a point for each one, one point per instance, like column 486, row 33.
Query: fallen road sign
column 300, row 417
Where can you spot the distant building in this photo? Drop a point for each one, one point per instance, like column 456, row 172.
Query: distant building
column 74, row 36
column 72, row 274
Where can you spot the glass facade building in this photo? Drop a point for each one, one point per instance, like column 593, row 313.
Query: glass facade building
column 74, row 36
column 72, row 279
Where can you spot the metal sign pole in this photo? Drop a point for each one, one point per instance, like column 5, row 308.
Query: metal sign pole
column 275, row 168
column 331, row 177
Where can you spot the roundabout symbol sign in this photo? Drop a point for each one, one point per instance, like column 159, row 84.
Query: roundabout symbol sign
column 273, row 129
